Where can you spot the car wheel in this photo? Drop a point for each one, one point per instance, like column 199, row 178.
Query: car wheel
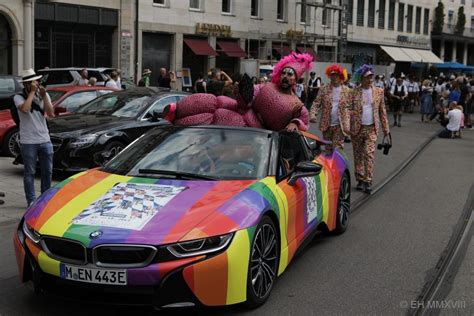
column 10, row 143
column 263, row 265
column 343, row 206
column 112, row 149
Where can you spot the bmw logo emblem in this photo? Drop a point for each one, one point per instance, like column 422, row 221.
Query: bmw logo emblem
column 95, row 234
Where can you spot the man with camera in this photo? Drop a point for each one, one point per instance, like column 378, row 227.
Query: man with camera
column 367, row 111
column 35, row 144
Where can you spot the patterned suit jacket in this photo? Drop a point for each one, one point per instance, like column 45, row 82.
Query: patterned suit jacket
column 323, row 103
column 380, row 114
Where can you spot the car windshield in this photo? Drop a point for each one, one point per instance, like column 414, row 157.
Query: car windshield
column 7, row 85
column 55, row 95
column 121, row 105
column 195, row 153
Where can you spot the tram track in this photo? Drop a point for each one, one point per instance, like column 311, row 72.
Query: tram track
column 435, row 289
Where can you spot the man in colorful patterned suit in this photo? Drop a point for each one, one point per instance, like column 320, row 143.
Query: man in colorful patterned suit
column 367, row 111
column 333, row 101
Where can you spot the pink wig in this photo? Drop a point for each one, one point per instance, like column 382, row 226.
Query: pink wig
column 298, row 62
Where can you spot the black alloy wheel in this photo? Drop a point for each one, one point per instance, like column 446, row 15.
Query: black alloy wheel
column 343, row 205
column 263, row 265
column 10, row 145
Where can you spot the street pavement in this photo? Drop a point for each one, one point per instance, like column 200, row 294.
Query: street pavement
column 379, row 266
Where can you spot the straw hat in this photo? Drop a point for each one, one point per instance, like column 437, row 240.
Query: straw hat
column 29, row 75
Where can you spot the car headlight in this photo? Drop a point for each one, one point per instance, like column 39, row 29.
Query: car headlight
column 200, row 246
column 29, row 232
column 83, row 141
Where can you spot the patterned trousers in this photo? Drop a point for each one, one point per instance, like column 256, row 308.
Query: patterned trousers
column 364, row 153
column 335, row 135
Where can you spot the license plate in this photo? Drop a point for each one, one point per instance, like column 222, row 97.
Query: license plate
column 91, row 275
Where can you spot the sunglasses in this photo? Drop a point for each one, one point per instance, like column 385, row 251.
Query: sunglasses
column 288, row 72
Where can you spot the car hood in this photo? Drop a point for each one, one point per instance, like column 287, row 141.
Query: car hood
column 79, row 124
column 143, row 211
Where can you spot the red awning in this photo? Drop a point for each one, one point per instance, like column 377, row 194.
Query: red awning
column 200, row 47
column 307, row 50
column 231, row 49
column 283, row 50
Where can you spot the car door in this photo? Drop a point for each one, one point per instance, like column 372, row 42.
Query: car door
column 303, row 208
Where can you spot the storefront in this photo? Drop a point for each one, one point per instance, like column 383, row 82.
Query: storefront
column 229, row 56
column 5, row 46
column 196, row 55
column 71, row 35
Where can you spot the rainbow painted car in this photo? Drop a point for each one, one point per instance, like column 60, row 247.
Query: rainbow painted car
column 185, row 216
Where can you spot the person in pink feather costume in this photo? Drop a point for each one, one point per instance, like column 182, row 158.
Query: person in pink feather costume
column 272, row 106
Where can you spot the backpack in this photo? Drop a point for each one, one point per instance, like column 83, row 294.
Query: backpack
column 14, row 110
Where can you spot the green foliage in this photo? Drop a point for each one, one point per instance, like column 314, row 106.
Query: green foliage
column 438, row 18
column 461, row 22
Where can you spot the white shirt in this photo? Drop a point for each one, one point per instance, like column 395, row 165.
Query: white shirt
column 454, row 116
column 111, row 84
column 367, row 107
column 33, row 127
column 336, row 97
column 399, row 88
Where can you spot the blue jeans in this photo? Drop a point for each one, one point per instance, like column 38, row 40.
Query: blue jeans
column 31, row 153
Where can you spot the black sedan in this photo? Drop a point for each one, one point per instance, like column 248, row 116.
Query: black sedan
column 106, row 125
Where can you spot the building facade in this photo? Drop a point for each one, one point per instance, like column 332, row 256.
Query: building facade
column 453, row 45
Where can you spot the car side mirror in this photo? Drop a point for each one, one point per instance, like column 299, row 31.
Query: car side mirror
column 304, row 169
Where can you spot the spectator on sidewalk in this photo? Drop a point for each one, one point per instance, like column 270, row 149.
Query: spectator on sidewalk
column 426, row 100
column 92, row 81
column 314, row 84
column 112, row 82
column 219, row 80
column 200, row 84
column 166, row 78
column 35, row 144
column 398, row 94
column 146, row 78
column 454, row 117
column 83, row 80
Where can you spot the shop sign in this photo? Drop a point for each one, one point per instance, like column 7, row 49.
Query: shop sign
column 213, row 29
column 412, row 40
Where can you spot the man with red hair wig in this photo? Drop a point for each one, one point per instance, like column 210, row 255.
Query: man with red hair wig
column 333, row 101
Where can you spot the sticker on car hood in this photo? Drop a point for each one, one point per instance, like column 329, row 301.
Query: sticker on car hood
column 128, row 205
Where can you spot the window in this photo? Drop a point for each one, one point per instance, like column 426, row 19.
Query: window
column 410, row 19
column 371, row 21
column 418, row 21
column 227, row 6
column 72, row 102
column 381, row 14
column 472, row 23
column 450, row 17
column 255, row 8
column 350, row 11
column 282, row 6
column 159, row 105
column 391, row 15
column 327, row 14
column 401, row 16
column 426, row 22
column 291, row 152
column 195, row 5
column 360, row 12
column 303, row 11
column 161, row 3
column 463, row 1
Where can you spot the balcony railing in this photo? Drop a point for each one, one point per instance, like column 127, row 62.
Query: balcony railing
column 451, row 29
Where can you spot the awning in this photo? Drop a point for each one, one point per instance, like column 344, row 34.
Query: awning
column 411, row 55
column 231, row 49
column 283, row 50
column 308, row 50
column 200, row 47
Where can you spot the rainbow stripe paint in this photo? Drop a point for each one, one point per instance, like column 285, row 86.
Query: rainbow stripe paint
column 201, row 209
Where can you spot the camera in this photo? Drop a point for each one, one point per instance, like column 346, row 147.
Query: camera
column 385, row 145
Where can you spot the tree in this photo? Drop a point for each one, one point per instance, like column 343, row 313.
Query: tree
column 461, row 23
column 438, row 22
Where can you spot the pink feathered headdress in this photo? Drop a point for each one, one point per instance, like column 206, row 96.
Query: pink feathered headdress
column 299, row 62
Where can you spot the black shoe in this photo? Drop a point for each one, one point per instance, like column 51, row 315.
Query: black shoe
column 395, row 123
column 399, row 124
column 367, row 187
column 360, row 186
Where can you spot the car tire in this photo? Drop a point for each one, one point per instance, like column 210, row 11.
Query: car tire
column 10, row 143
column 343, row 205
column 263, row 267
column 113, row 147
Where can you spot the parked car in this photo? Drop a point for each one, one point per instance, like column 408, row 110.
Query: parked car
column 185, row 216
column 58, row 77
column 9, row 86
column 68, row 99
column 98, row 130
